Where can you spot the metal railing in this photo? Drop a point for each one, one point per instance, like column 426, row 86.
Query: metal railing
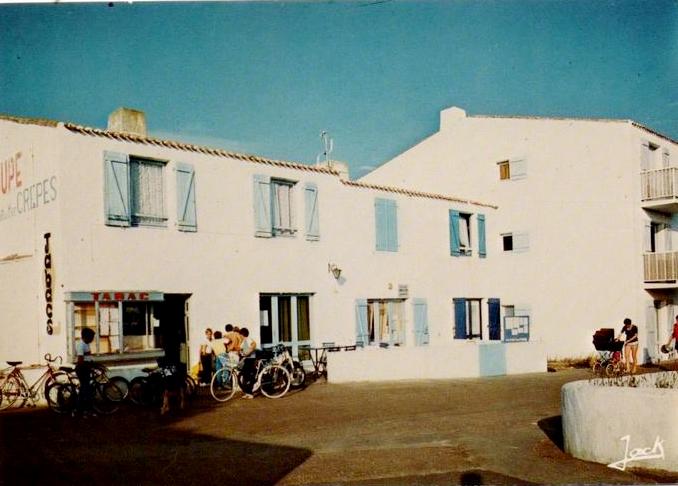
column 659, row 184
column 660, row 267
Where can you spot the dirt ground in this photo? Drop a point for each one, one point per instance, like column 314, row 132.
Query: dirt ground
column 500, row 430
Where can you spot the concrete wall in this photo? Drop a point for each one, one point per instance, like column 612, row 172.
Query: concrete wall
column 579, row 203
column 464, row 359
column 596, row 420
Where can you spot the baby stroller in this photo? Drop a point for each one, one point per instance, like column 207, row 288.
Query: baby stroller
column 609, row 361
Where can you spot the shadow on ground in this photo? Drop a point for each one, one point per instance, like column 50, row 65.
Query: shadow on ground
column 475, row 477
column 133, row 446
column 553, row 428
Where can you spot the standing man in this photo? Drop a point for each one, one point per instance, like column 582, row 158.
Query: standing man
column 233, row 340
column 206, row 356
column 83, row 368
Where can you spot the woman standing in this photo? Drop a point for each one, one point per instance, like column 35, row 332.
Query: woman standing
column 630, row 332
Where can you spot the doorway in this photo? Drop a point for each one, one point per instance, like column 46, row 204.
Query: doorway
column 173, row 328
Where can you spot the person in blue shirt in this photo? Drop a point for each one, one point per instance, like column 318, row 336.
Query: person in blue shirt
column 83, row 368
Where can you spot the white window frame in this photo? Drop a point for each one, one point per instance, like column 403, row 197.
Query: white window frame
column 283, row 226
column 136, row 219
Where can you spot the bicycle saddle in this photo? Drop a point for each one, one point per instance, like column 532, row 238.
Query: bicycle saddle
column 14, row 363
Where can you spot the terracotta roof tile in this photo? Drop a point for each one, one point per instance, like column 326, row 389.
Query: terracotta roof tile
column 96, row 132
column 413, row 193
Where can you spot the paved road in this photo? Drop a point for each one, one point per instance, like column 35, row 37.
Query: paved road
column 503, row 430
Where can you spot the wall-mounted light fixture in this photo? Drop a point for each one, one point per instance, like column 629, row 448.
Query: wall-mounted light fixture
column 334, row 269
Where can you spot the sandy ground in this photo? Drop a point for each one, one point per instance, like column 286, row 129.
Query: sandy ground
column 500, row 430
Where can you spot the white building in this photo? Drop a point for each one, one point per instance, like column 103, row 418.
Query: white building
column 586, row 222
column 149, row 242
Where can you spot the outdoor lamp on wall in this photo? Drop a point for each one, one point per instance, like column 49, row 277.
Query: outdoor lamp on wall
column 334, row 269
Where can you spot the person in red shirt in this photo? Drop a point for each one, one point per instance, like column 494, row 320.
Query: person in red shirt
column 673, row 337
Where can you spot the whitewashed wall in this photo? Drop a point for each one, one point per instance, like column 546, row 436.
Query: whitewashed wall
column 222, row 265
column 579, row 203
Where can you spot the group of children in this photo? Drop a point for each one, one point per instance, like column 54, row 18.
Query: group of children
column 233, row 347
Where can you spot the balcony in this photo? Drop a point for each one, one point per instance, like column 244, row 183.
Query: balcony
column 660, row 268
column 659, row 189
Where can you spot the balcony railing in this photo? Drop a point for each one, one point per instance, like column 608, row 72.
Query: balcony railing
column 661, row 267
column 659, row 184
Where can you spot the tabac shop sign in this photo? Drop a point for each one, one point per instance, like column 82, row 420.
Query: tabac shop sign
column 22, row 198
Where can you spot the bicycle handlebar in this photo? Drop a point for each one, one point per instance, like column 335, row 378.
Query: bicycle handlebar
column 49, row 359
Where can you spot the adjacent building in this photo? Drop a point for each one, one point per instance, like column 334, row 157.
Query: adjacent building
column 586, row 225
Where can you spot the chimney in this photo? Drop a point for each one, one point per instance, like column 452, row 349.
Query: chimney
column 127, row 120
column 449, row 115
column 340, row 167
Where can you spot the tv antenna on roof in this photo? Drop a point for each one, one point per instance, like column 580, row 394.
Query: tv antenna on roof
column 328, row 145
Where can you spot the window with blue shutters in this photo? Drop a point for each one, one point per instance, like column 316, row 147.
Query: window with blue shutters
column 460, row 233
column 187, row 219
column 386, row 224
column 134, row 192
column 420, row 312
column 468, row 319
column 312, row 218
column 273, row 207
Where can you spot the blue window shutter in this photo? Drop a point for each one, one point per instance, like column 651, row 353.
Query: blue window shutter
column 421, row 335
column 493, row 310
column 262, row 206
column 312, row 220
column 361, row 333
column 459, row 318
column 482, row 249
column 380, row 223
column 386, row 224
column 392, row 225
column 454, row 233
column 116, row 189
column 187, row 219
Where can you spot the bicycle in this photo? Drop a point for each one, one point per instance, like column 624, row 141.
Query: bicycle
column 15, row 385
column 107, row 396
column 272, row 379
column 283, row 357
column 148, row 390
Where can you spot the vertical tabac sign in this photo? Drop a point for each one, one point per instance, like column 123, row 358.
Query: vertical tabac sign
column 48, row 285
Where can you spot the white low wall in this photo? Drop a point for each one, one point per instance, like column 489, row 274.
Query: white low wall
column 465, row 359
column 607, row 424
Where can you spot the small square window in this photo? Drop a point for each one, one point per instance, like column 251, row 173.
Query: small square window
column 504, row 170
column 507, row 242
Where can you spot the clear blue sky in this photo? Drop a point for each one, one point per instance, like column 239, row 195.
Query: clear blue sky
column 266, row 78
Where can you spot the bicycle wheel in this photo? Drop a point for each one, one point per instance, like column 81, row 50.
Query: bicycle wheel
column 597, row 368
column 298, row 375
column 612, row 370
column 11, row 391
column 62, row 397
column 274, row 381
column 107, row 398
column 121, row 383
column 140, row 391
column 223, row 385
column 191, row 386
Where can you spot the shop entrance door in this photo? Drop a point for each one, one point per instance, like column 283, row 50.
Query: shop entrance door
column 174, row 327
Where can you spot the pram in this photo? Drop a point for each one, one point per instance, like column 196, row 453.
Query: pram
column 609, row 361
